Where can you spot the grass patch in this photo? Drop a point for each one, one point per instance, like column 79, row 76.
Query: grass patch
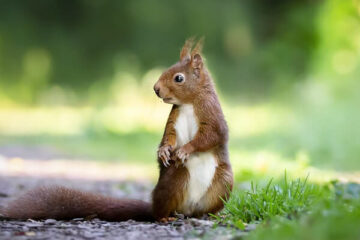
column 285, row 198
column 136, row 147
column 332, row 218
column 296, row 209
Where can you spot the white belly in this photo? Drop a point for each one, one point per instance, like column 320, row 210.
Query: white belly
column 201, row 166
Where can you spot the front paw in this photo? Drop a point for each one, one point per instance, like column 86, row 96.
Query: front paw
column 164, row 153
column 182, row 154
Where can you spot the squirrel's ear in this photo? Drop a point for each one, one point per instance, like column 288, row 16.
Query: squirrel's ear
column 196, row 61
column 185, row 54
column 198, row 47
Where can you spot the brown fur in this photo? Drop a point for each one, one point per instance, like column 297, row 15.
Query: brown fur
column 169, row 136
column 64, row 203
column 212, row 135
column 170, row 191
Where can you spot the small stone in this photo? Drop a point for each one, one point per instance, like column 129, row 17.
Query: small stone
column 197, row 222
column 32, row 220
column 34, row 224
column 83, row 226
column 64, row 225
column 50, row 221
column 30, row 234
column 25, row 229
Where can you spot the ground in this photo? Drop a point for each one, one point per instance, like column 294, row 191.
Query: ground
column 21, row 173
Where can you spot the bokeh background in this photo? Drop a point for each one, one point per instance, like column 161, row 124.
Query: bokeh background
column 76, row 83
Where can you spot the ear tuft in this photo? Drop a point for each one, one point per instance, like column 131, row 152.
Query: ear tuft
column 198, row 47
column 185, row 53
column 196, row 59
column 189, row 53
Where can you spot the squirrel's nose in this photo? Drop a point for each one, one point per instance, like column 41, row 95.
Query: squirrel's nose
column 157, row 91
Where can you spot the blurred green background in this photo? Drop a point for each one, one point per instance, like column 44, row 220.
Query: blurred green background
column 78, row 76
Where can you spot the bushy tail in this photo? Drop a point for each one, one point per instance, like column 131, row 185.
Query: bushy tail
column 63, row 203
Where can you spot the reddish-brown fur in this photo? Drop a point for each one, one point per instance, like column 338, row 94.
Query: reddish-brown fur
column 212, row 135
column 170, row 191
column 64, row 203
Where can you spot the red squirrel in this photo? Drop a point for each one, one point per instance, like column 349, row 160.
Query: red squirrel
column 195, row 171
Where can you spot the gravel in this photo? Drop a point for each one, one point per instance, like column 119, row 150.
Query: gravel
column 12, row 186
column 97, row 229
column 182, row 228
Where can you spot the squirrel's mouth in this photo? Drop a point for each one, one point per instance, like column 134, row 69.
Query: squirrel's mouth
column 171, row 100
column 167, row 99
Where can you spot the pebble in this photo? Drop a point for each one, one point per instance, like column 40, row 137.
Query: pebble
column 50, row 221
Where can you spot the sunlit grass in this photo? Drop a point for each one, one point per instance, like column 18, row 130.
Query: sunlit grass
column 295, row 209
column 334, row 215
column 287, row 198
column 79, row 169
column 314, row 133
column 273, row 138
column 262, row 164
column 132, row 116
column 40, row 120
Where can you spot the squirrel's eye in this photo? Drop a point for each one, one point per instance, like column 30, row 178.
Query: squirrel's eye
column 179, row 78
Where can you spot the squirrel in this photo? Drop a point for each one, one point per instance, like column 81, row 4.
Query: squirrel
column 195, row 171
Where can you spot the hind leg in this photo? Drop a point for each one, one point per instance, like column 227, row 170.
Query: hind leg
column 169, row 192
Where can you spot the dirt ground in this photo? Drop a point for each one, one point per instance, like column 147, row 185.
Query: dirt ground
column 19, row 173
column 95, row 229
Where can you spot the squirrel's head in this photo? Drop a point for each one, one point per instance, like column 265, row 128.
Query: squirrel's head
column 182, row 81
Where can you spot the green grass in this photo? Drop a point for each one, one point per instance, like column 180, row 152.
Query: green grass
column 328, row 134
column 136, row 147
column 296, row 209
column 286, row 198
column 322, row 135
column 332, row 218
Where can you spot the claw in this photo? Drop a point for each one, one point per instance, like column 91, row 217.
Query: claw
column 164, row 153
column 165, row 162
